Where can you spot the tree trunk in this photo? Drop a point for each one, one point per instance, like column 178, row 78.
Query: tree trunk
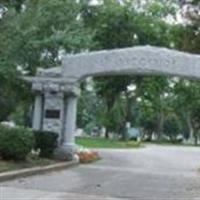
column 129, row 102
column 128, row 115
column 150, row 134
column 107, row 133
column 191, row 129
column 110, row 101
column 160, row 125
column 124, row 134
column 196, row 140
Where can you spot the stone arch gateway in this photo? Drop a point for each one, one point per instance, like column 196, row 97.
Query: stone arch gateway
column 137, row 60
column 56, row 89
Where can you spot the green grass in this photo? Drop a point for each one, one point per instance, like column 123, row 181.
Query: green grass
column 105, row 143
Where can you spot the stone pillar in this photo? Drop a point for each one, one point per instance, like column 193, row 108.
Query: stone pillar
column 70, row 120
column 37, row 115
column 67, row 149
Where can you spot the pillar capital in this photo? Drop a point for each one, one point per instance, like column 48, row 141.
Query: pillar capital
column 37, row 87
column 70, row 89
column 48, row 86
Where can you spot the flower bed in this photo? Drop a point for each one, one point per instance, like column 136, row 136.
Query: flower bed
column 87, row 156
column 30, row 162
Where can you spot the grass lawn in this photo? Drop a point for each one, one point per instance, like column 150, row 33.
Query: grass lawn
column 105, row 143
column 30, row 162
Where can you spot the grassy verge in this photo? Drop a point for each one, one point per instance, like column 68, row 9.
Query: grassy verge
column 30, row 162
column 172, row 144
column 105, row 143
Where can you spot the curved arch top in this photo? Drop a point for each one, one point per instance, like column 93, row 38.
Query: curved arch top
column 144, row 60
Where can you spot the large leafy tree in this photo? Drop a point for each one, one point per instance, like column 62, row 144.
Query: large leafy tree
column 186, row 92
column 119, row 25
column 154, row 105
column 35, row 34
column 191, row 37
column 186, row 104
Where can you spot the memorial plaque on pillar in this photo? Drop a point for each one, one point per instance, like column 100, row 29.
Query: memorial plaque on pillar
column 52, row 114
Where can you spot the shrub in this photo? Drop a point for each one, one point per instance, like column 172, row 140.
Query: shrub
column 46, row 141
column 15, row 143
column 172, row 128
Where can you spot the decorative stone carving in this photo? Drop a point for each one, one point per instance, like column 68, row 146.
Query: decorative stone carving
column 70, row 89
column 143, row 60
column 37, row 86
column 51, row 86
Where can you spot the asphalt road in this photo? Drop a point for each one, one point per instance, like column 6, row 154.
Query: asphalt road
column 150, row 173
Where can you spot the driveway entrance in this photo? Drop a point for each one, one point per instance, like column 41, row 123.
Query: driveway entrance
column 150, row 173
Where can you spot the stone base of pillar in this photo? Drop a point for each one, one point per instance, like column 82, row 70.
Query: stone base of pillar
column 65, row 152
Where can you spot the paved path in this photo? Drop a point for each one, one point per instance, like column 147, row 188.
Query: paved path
column 151, row 173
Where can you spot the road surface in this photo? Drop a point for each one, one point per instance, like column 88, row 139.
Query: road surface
column 151, row 173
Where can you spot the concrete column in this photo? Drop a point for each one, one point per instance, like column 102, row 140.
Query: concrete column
column 67, row 149
column 37, row 115
column 70, row 120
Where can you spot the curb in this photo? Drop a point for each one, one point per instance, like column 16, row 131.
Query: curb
column 5, row 176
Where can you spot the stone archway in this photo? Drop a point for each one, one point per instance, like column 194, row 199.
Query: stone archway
column 57, row 89
column 143, row 60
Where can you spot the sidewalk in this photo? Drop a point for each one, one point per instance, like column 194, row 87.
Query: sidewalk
column 8, row 193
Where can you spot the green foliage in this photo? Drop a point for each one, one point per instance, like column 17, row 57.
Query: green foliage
column 89, row 107
column 33, row 35
column 160, row 9
column 191, row 36
column 19, row 115
column 88, row 128
column 171, row 127
column 113, row 119
column 15, row 143
column 46, row 142
column 118, row 26
column 36, row 35
column 16, row 4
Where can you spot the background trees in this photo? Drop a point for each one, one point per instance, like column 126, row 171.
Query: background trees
column 119, row 25
column 35, row 34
